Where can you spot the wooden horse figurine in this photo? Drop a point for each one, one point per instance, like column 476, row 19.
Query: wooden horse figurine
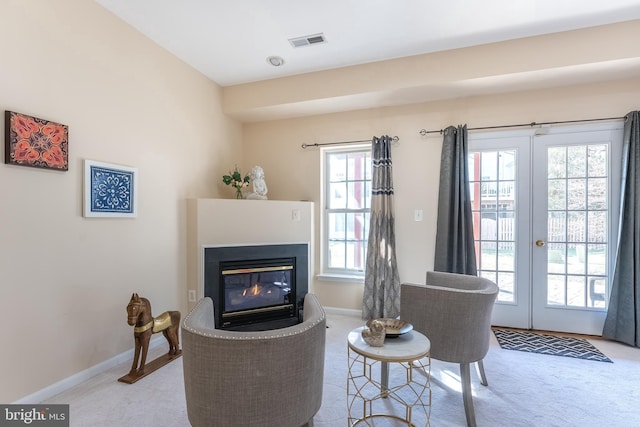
column 139, row 316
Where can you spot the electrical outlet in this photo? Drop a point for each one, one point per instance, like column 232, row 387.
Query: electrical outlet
column 192, row 295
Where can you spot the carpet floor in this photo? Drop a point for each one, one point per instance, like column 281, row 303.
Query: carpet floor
column 525, row 390
column 535, row 342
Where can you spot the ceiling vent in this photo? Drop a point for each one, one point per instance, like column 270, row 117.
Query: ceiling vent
column 308, row 40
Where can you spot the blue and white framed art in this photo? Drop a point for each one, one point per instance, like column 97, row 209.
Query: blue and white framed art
column 110, row 190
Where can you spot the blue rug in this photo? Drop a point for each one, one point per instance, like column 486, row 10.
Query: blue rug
column 534, row 342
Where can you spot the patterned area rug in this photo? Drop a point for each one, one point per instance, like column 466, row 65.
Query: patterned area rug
column 534, row 342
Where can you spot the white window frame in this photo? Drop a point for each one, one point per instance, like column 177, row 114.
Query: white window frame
column 327, row 273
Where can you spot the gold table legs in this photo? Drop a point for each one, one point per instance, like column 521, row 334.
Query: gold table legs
column 397, row 390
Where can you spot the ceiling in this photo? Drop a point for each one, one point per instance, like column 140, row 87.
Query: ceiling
column 229, row 40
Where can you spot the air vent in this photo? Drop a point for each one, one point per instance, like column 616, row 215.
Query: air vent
column 307, row 40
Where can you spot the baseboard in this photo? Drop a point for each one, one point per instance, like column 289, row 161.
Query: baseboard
column 127, row 356
column 343, row 311
column 72, row 381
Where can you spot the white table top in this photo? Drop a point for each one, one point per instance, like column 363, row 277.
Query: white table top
column 405, row 348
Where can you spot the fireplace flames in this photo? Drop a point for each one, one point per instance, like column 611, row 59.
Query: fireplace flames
column 253, row 291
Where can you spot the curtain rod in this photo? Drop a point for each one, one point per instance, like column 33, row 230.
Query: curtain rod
column 424, row 132
column 394, row 139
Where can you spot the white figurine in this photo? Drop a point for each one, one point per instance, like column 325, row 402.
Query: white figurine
column 259, row 186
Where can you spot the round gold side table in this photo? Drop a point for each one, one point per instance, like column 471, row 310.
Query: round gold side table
column 399, row 390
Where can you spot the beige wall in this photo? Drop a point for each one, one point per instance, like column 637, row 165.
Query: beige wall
column 293, row 173
column 65, row 280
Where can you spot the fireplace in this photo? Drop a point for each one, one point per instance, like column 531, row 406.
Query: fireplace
column 257, row 287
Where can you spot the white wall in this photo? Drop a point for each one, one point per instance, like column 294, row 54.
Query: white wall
column 65, row 280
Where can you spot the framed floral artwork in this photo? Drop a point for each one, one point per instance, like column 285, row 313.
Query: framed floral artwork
column 110, row 190
column 34, row 142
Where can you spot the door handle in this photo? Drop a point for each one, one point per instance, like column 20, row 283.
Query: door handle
column 540, row 243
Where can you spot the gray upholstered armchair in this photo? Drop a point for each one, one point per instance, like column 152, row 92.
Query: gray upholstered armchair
column 270, row 378
column 454, row 312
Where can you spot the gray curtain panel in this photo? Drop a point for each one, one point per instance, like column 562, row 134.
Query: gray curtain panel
column 623, row 317
column 381, row 283
column 454, row 234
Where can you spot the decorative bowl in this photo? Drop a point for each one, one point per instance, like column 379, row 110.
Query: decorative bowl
column 394, row 327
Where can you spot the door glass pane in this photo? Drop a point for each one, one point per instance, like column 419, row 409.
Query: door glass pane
column 597, row 291
column 488, row 256
column 556, row 257
column 576, row 161
column 506, row 256
column 557, row 194
column 576, row 258
column 506, row 227
column 576, row 217
column 506, row 160
column 576, row 226
column 597, row 260
column 489, row 165
column 489, row 227
column 489, row 192
column 597, row 226
column 556, row 226
column 576, row 291
column 597, row 195
column 477, row 226
column 505, row 196
column 493, row 193
column 576, row 193
column 557, row 165
column 597, row 160
column 555, row 289
column 507, row 285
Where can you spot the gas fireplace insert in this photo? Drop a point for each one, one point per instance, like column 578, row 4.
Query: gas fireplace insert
column 256, row 287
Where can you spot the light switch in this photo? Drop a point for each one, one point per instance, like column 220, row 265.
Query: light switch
column 295, row 215
column 417, row 215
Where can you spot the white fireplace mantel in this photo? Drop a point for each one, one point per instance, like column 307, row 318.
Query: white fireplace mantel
column 231, row 222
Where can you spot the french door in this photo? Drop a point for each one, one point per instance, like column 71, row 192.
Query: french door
column 545, row 212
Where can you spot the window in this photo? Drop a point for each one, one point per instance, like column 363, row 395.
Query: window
column 347, row 202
